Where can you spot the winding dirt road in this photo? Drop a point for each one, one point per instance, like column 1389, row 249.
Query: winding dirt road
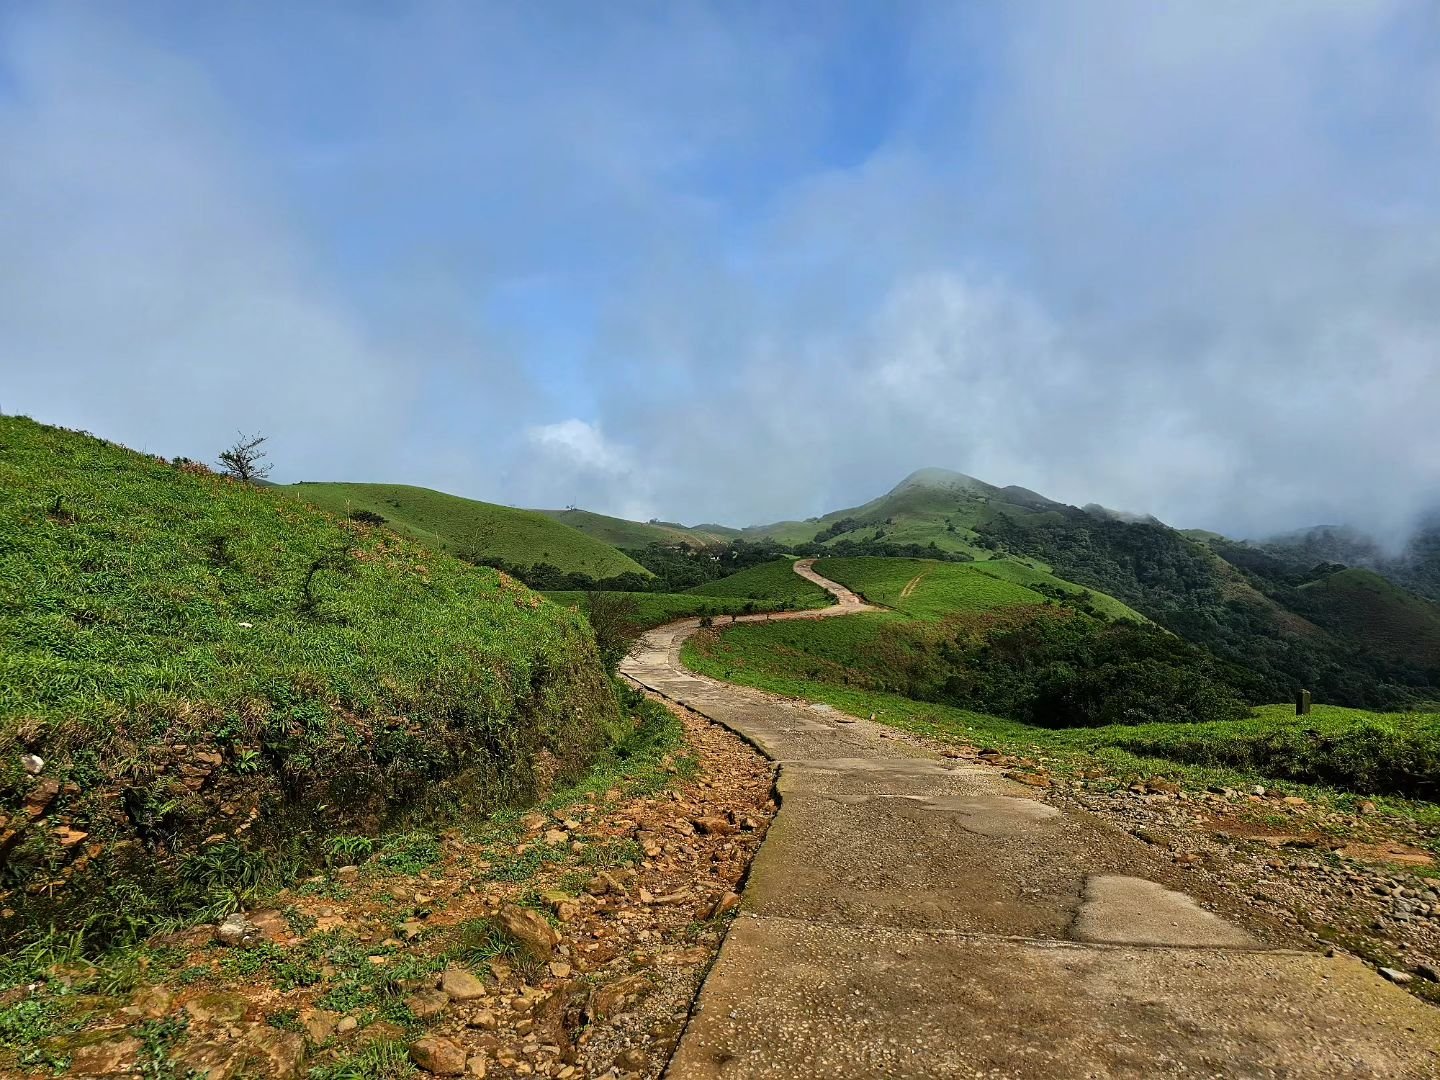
column 912, row 916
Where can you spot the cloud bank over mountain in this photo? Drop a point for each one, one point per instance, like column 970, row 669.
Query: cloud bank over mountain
column 735, row 263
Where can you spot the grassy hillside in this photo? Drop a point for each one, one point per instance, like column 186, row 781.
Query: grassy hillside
column 775, row 581
column 216, row 676
column 655, row 609
column 925, row 588
column 469, row 528
column 1347, row 750
column 929, row 589
column 620, row 533
column 929, row 506
column 1377, row 615
column 1273, row 637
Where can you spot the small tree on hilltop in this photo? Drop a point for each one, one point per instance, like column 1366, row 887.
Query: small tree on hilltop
column 245, row 461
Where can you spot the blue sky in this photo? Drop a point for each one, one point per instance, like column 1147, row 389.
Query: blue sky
column 741, row 261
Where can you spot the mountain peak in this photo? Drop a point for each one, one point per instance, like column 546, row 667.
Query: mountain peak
column 942, row 479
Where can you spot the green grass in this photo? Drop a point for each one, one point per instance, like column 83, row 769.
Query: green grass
column 464, row 526
column 775, row 581
column 152, row 613
column 939, row 588
column 929, row 506
column 1346, row 752
column 655, row 609
column 1032, row 576
column 620, row 533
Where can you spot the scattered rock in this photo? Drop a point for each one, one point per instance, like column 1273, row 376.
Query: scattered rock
column 269, row 925
column 438, row 1055
column 460, row 985
column 32, row 763
column 427, row 1004
column 235, row 930
column 608, row 999
column 97, row 1053
column 713, row 825
column 319, row 1024
column 529, row 929
column 149, row 1003
column 1399, row 978
column 726, row 904
column 220, row 1006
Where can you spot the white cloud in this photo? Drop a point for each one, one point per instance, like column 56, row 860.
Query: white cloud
column 572, row 462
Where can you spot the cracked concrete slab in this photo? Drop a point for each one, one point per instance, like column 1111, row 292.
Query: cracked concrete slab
column 790, row 998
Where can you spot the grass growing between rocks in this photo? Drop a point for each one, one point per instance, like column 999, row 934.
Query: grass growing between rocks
column 355, row 941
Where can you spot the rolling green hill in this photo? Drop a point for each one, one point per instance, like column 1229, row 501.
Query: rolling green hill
column 620, row 533
column 1377, row 615
column 926, row 588
column 776, row 581
column 217, row 677
column 929, row 506
column 469, row 528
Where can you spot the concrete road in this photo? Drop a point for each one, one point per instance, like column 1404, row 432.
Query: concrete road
column 911, row 916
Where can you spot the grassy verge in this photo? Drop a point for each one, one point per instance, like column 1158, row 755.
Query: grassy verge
column 214, row 677
column 1335, row 754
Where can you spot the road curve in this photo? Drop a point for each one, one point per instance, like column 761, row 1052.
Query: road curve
column 913, row 916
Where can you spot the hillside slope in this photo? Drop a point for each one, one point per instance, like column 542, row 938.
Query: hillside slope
column 473, row 529
column 929, row 506
column 1416, row 567
column 216, row 676
column 622, row 533
column 1376, row 615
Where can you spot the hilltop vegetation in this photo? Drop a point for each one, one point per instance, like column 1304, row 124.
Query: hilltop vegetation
column 620, row 533
column 929, row 508
column 1416, row 567
column 479, row 532
column 1271, row 637
column 216, row 677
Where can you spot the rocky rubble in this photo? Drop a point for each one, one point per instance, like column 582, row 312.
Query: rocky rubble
column 604, row 916
column 1360, row 880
